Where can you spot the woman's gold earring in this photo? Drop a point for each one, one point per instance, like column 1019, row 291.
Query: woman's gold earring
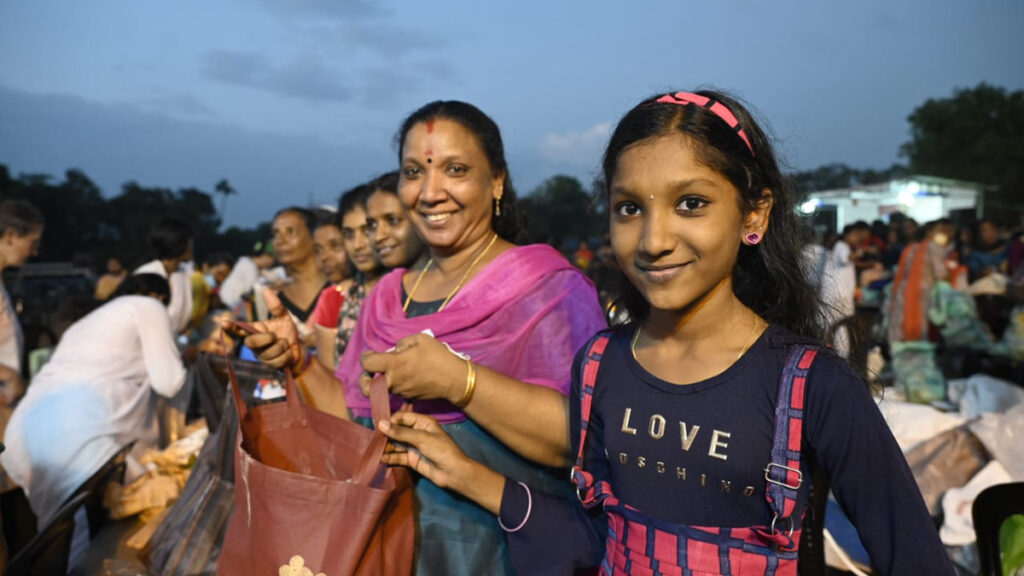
column 497, row 206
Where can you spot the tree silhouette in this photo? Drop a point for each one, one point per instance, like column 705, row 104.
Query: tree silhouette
column 973, row 135
column 224, row 189
column 560, row 211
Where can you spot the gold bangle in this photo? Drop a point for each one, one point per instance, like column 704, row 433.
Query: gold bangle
column 299, row 369
column 470, row 385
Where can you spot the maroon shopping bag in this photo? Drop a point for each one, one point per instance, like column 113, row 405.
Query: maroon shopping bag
column 311, row 493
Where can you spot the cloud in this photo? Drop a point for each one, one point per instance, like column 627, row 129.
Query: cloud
column 579, row 148
column 116, row 143
column 334, row 9
column 305, row 77
column 176, row 105
column 388, row 86
column 386, row 39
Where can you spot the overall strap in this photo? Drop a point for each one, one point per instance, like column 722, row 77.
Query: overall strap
column 783, row 474
column 589, row 493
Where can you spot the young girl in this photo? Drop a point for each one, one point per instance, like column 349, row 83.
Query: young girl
column 391, row 233
column 695, row 428
column 336, row 316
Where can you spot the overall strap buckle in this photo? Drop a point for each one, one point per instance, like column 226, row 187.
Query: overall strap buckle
column 783, row 483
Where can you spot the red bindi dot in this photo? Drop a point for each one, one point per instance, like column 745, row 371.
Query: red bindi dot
column 430, row 126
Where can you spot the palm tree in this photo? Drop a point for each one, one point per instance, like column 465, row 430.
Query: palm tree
column 224, row 189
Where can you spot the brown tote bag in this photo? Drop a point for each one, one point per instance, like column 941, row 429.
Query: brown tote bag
column 311, row 494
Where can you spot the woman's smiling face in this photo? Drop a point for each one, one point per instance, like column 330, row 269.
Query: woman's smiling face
column 391, row 233
column 447, row 185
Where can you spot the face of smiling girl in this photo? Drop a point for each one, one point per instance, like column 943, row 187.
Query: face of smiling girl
column 447, row 185
column 391, row 233
column 676, row 224
column 357, row 244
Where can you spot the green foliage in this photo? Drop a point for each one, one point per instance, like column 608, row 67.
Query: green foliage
column 561, row 211
column 976, row 134
column 832, row 176
column 84, row 227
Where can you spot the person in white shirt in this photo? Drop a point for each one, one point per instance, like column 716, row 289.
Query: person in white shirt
column 95, row 395
column 21, row 228
column 840, row 286
column 172, row 240
column 244, row 275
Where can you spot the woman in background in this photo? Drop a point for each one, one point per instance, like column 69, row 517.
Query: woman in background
column 293, row 245
column 172, row 242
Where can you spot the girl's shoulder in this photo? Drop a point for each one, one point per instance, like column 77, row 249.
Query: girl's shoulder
column 827, row 365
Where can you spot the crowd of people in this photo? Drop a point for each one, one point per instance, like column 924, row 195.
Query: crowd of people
column 692, row 430
column 939, row 286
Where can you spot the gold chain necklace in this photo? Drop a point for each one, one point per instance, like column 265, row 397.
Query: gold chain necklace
column 750, row 340
column 465, row 275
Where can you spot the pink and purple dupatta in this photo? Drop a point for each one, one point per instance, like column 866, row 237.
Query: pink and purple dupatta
column 524, row 315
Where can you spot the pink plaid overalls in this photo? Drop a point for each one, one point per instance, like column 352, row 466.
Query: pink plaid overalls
column 640, row 545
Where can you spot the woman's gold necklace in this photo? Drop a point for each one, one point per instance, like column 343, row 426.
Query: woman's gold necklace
column 750, row 340
column 465, row 275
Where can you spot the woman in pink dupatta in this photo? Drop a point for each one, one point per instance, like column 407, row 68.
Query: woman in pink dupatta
column 516, row 315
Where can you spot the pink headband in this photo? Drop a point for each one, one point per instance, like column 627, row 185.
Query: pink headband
column 717, row 108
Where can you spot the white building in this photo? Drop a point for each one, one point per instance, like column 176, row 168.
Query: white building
column 922, row 198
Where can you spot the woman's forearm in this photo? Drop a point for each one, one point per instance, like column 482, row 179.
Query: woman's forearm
column 531, row 420
column 322, row 390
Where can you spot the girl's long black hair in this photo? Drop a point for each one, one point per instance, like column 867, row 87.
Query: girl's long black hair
column 769, row 278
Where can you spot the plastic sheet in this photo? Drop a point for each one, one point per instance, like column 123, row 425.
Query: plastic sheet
column 912, row 423
column 1003, row 437
column 958, row 526
column 946, row 461
column 982, row 394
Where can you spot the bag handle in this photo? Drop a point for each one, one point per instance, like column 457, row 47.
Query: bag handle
column 240, row 406
column 368, row 469
column 290, row 388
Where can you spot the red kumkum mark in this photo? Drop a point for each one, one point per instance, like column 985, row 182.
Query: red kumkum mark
column 430, row 126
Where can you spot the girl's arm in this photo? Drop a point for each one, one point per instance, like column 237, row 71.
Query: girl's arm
column 545, row 534
column 869, row 475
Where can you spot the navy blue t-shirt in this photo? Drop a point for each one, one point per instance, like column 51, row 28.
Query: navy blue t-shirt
column 695, row 454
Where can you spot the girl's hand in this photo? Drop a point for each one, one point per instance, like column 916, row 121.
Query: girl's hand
column 276, row 340
column 418, row 368
column 422, row 445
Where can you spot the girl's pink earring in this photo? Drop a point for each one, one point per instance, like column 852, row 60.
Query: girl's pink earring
column 753, row 238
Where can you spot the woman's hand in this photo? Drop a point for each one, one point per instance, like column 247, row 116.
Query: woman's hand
column 276, row 340
column 419, row 368
column 420, row 443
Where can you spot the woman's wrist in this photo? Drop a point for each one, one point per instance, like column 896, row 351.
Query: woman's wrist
column 299, row 367
column 469, row 388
